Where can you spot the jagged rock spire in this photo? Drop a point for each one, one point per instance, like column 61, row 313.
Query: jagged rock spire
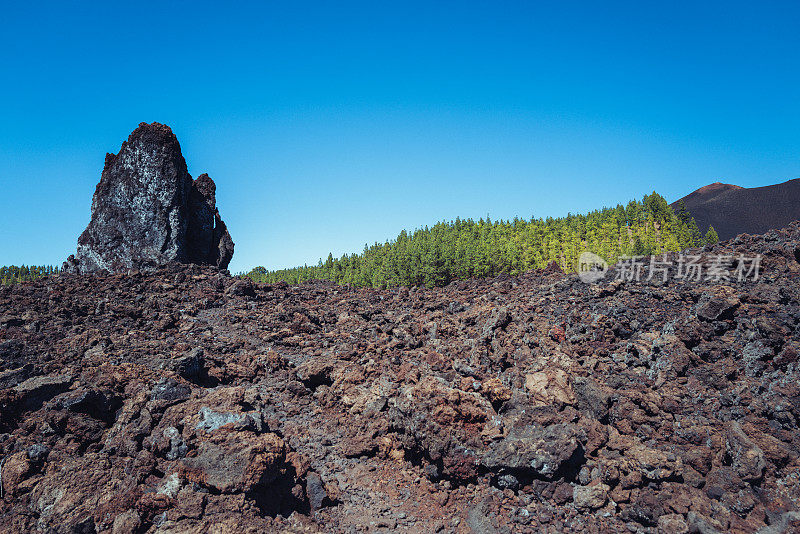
column 147, row 211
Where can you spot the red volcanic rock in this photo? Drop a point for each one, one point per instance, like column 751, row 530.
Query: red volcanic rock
column 186, row 400
column 231, row 462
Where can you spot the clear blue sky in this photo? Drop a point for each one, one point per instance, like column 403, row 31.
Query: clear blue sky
column 327, row 125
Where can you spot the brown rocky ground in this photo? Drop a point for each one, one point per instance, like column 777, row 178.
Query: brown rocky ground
column 187, row 400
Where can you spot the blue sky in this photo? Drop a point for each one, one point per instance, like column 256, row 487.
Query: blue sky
column 327, row 125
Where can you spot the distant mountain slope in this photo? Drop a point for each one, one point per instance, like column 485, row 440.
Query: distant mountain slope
column 734, row 210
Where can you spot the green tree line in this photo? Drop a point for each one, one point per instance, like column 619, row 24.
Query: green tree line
column 11, row 274
column 467, row 248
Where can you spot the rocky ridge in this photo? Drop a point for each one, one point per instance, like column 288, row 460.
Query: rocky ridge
column 147, row 210
column 187, row 400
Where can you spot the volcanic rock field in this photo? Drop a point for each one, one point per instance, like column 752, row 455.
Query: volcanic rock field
column 187, row 400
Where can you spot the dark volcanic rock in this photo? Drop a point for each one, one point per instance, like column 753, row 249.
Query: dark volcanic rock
column 207, row 237
column 147, row 211
column 542, row 450
column 187, row 400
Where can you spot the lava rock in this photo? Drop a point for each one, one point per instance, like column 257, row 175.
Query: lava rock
column 234, row 462
column 38, row 452
column 592, row 399
column 536, row 449
column 147, row 211
column 14, row 377
column 716, row 303
column 35, row 391
column 550, row 387
column 126, row 523
column 171, row 391
column 748, row 459
column 11, row 353
column 316, row 491
column 98, row 404
column 672, row 524
column 177, row 446
column 14, row 470
column 211, row 420
column 242, row 288
column 190, row 365
column 590, row 497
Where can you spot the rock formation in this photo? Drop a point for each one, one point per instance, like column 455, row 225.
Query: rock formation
column 147, row 211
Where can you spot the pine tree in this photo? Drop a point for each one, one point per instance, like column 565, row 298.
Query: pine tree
column 711, row 236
